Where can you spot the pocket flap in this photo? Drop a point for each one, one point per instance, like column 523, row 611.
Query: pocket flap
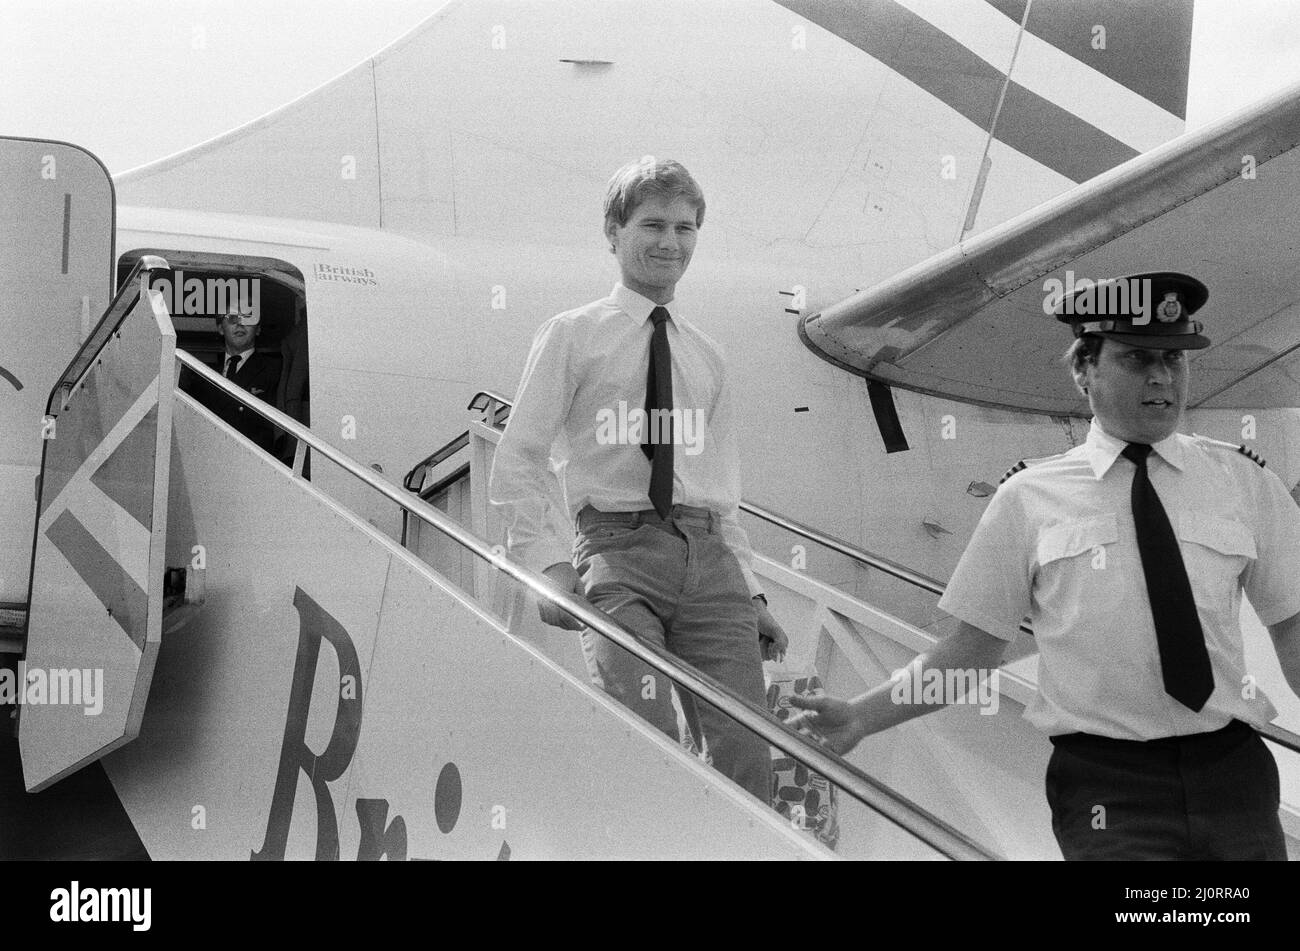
column 1067, row 539
column 1223, row 535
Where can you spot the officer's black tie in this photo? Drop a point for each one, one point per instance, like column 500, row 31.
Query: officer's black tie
column 1184, row 661
column 231, row 363
column 659, row 396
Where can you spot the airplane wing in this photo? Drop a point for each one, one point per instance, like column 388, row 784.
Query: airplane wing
column 1220, row 203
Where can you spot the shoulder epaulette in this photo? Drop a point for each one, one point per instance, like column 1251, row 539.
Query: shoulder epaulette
column 1246, row 451
column 1019, row 466
column 1024, row 464
column 1252, row 455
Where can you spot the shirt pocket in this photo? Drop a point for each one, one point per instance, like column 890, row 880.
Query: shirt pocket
column 1068, row 540
column 1215, row 551
column 1074, row 566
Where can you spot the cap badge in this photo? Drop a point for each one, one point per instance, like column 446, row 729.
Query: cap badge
column 1169, row 309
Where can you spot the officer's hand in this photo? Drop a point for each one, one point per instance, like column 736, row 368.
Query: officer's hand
column 564, row 577
column 831, row 720
column 772, row 640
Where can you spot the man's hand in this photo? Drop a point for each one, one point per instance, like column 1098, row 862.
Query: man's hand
column 772, row 641
column 835, row 721
column 564, row 577
column 843, row 724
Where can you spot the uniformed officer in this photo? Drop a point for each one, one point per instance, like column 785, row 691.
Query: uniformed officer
column 1130, row 554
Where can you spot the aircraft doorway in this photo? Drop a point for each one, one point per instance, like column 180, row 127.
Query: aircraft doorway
column 204, row 286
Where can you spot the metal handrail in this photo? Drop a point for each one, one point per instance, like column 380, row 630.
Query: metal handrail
column 844, row 548
column 1270, row 731
column 413, row 478
column 1281, row 736
column 927, row 827
column 452, row 477
column 458, row 443
column 121, row 305
column 484, row 398
column 849, row 550
column 482, row 401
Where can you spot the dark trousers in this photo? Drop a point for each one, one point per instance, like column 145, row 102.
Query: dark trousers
column 1206, row 796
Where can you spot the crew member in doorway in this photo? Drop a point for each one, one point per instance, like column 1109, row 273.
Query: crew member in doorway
column 243, row 365
column 1130, row 553
column 659, row 545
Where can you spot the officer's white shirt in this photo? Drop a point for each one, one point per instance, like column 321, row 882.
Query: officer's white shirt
column 1057, row 543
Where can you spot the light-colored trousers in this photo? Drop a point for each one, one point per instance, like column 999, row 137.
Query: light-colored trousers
column 676, row 584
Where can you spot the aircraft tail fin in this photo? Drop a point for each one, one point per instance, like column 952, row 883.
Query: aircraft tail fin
column 480, row 120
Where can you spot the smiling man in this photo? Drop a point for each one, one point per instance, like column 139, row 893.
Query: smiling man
column 1130, row 554
column 659, row 546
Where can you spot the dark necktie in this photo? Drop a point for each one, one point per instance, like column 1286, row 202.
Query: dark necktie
column 231, row 363
column 659, row 396
column 1184, row 661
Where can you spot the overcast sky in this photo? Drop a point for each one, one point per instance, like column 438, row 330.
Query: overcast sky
column 137, row 80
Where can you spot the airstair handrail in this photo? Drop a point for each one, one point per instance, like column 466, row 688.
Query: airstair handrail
column 416, row 475
column 860, row 555
column 1281, row 736
column 503, row 407
column 909, row 816
column 127, row 297
column 486, row 398
column 844, row 548
column 1270, row 731
column 482, row 400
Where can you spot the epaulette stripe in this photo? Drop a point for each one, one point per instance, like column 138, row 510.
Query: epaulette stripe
column 1252, row 455
column 1246, row 451
column 1012, row 471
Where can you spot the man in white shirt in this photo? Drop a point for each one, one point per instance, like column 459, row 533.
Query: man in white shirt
column 648, row 465
column 1130, row 553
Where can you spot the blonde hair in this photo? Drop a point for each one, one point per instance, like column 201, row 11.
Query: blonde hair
column 662, row 178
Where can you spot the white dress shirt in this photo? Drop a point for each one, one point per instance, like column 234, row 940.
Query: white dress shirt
column 583, row 364
column 1057, row 542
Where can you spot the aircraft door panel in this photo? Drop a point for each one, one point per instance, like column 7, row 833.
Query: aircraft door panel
column 55, row 275
column 95, row 622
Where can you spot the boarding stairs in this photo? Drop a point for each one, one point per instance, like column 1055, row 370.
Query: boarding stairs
column 977, row 767
column 315, row 688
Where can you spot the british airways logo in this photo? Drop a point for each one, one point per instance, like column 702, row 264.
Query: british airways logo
column 380, row 837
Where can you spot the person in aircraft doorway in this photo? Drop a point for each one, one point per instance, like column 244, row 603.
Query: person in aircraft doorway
column 1130, row 553
column 243, row 365
column 659, row 545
